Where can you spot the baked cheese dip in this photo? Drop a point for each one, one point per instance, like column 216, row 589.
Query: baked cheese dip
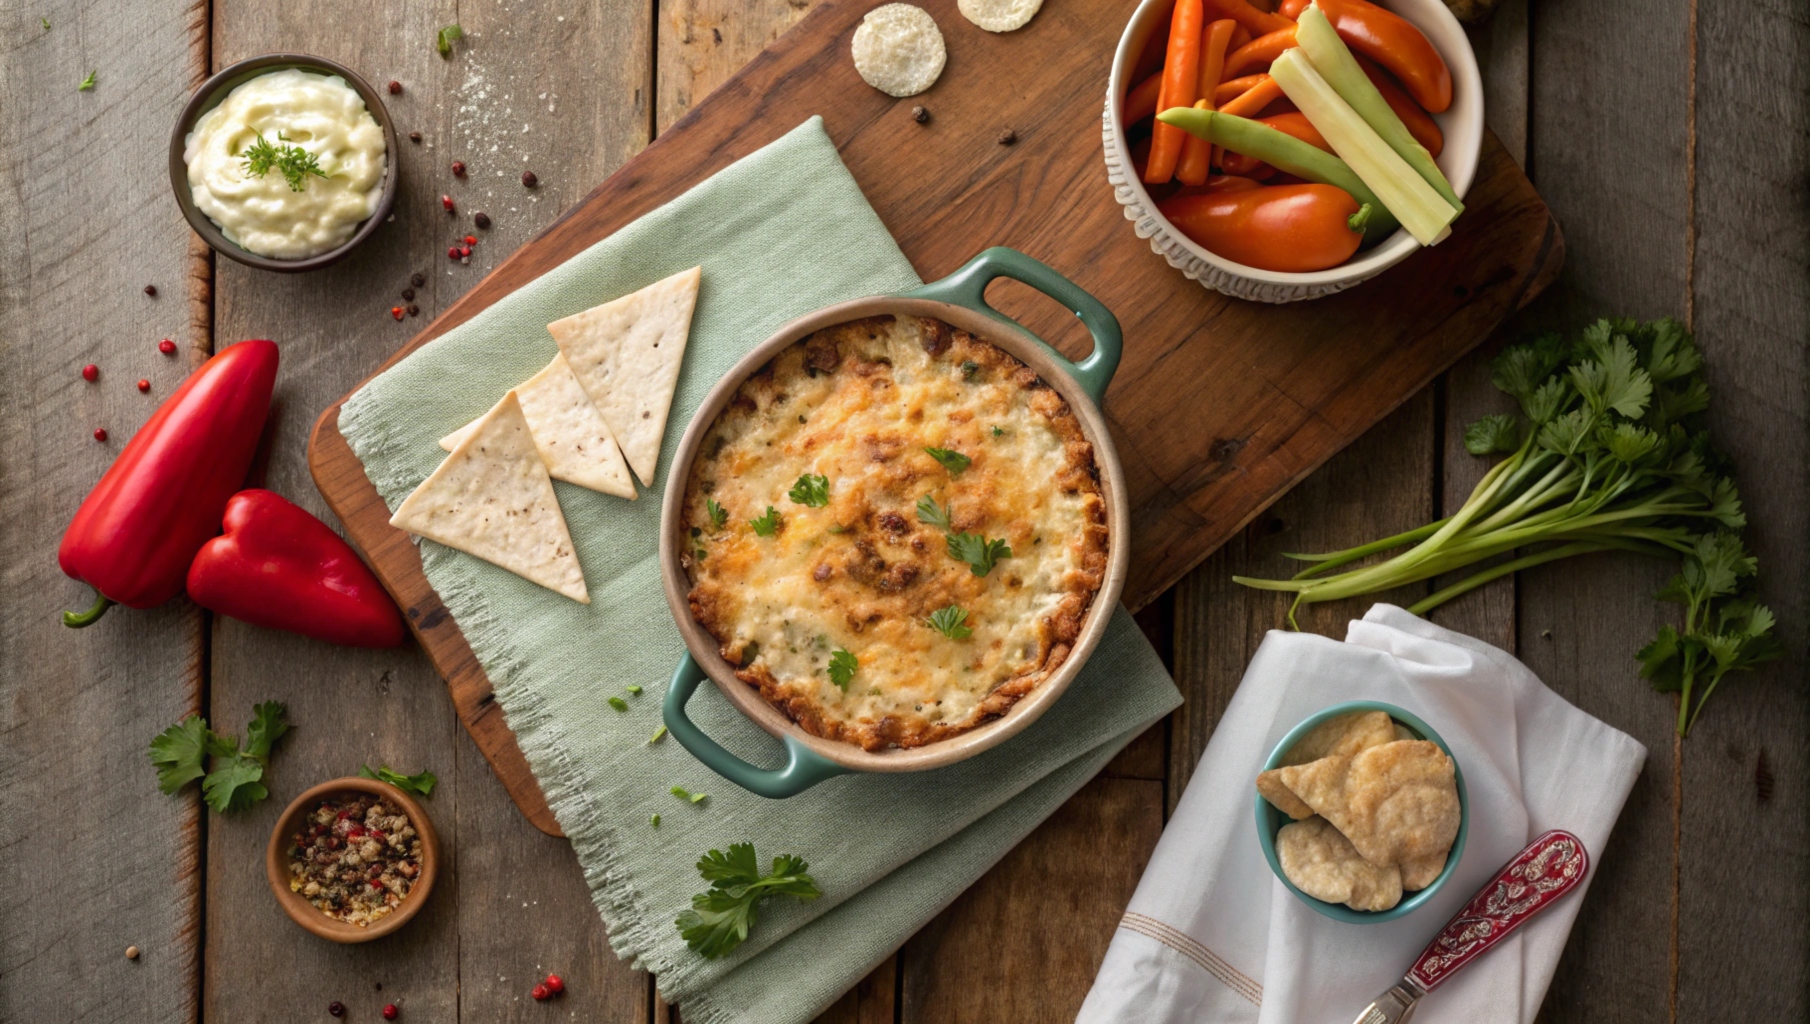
column 894, row 531
column 288, row 165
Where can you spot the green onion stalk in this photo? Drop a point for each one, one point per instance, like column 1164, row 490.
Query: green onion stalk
column 1608, row 452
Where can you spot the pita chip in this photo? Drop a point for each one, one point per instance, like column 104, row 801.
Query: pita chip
column 568, row 431
column 492, row 498
column 1343, row 734
column 626, row 353
column 1271, row 788
column 1396, row 802
column 1322, row 863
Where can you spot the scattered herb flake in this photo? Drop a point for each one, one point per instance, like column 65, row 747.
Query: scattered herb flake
column 719, row 918
column 998, row 432
column 619, row 704
column 812, row 490
column 635, row 690
column 45, row 22
column 659, row 734
column 447, row 37
column 842, row 668
column 951, row 460
column 422, row 783
column 654, row 820
column 87, row 83
column 699, row 797
column 718, row 514
column 767, row 525
column 949, row 622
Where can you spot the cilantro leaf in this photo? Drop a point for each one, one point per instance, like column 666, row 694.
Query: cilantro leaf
column 928, row 513
column 980, row 553
column 720, row 918
column 842, row 668
column 767, row 525
column 270, row 720
column 949, row 622
column 235, row 785
column 718, row 514
column 951, row 460
column 422, row 783
column 177, row 752
column 446, row 37
column 1492, row 434
column 812, row 490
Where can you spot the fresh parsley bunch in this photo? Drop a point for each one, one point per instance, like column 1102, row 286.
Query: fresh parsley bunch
column 235, row 779
column 1609, row 451
column 720, row 917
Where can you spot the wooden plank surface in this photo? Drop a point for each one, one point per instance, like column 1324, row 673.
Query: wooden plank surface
column 92, row 857
column 1218, row 406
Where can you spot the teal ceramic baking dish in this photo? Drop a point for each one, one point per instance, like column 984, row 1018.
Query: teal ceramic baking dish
column 959, row 300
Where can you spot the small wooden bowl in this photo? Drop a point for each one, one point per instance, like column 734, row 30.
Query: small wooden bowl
column 213, row 92
column 276, row 863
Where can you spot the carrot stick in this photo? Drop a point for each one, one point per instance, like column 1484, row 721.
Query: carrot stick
column 1225, row 92
column 1240, row 36
column 1260, row 50
column 1259, row 22
column 1197, row 153
column 1181, row 82
column 1254, row 99
column 1140, row 102
column 1419, row 123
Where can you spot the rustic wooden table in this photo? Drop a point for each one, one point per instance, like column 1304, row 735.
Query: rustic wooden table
column 1669, row 138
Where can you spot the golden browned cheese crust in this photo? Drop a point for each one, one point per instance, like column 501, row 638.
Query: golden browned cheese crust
column 858, row 404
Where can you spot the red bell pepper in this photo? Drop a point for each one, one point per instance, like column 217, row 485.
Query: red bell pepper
column 137, row 531
column 279, row 567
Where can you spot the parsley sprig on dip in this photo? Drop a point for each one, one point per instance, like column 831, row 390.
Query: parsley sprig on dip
column 720, row 917
column 980, row 553
column 949, row 622
column 843, row 667
column 767, row 525
column 811, row 490
column 234, row 779
column 950, row 459
column 293, row 161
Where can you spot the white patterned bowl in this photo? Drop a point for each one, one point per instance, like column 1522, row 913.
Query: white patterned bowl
column 1462, row 124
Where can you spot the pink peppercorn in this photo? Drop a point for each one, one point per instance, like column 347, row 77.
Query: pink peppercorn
column 540, row 993
column 452, row 253
column 91, row 373
column 167, row 347
column 144, row 385
column 446, row 203
column 391, row 1012
column 554, row 984
column 100, row 433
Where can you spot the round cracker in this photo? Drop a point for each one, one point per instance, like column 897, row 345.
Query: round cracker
column 1322, row 863
column 899, row 50
column 999, row 15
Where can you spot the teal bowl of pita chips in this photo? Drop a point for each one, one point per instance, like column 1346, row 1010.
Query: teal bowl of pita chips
column 1362, row 812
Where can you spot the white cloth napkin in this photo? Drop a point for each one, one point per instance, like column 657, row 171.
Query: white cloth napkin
column 1211, row 935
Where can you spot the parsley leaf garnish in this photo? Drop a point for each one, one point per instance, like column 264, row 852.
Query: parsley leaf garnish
column 766, row 525
column 448, row 36
column 87, row 83
column 951, row 460
column 811, row 489
column 718, row 514
column 842, row 668
column 234, row 780
column 979, row 552
column 948, row 621
column 930, row 514
column 294, row 162
column 719, row 918
column 422, row 783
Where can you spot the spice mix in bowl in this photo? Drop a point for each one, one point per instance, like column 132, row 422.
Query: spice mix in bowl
column 352, row 859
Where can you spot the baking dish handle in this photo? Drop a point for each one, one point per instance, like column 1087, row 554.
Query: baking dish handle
column 968, row 287
column 804, row 767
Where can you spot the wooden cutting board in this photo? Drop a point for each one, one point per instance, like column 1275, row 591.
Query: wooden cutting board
column 1219, row 406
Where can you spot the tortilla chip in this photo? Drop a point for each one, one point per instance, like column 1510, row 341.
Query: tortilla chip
column 626, row 353
column 1322, row 863
column 1395, row 802
column 1421, row 872
column 1342, row 734
column 1270, row 787
column 568, row 431
column 492, row 498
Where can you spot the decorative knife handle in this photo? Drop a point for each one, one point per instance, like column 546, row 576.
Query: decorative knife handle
column 1550, row 867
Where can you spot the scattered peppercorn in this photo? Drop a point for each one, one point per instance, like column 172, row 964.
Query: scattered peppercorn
column 920, row 115
column 391, row 1012
column 151, row 290
column 471, row 240
column 414, row 310
column 1007, row 137
column 395, row 87
column 452, row 253
column 458, row 168
column 131, row 952
column 336, row 1008
column 91, row 373
column 529, row 179
column 396, row 311
column 540, row 993
column 446, row 203
column 554, row 984
column 417, row 279
column 464, row 251
column 144, row 385
column 408, row 293
column 100, row 433
column 414, row 136
column 482, row 220
column 167, row 347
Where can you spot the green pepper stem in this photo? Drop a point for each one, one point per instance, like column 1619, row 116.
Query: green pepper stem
column 76, row 620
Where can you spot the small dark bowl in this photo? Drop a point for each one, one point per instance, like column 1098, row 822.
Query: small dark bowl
column 213, row 92
column 276, row 862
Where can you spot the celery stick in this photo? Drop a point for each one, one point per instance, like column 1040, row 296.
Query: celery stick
column 1333, row 60
column 1424, row 212
column 1286, row 153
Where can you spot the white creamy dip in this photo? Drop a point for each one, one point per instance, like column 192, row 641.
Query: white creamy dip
column 263, row 213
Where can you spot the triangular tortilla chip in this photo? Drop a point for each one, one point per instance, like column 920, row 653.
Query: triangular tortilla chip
column 626, row 353
column 568, row 432
column 492, row 498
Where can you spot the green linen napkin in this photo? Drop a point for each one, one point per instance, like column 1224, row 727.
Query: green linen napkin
column 780, row 233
